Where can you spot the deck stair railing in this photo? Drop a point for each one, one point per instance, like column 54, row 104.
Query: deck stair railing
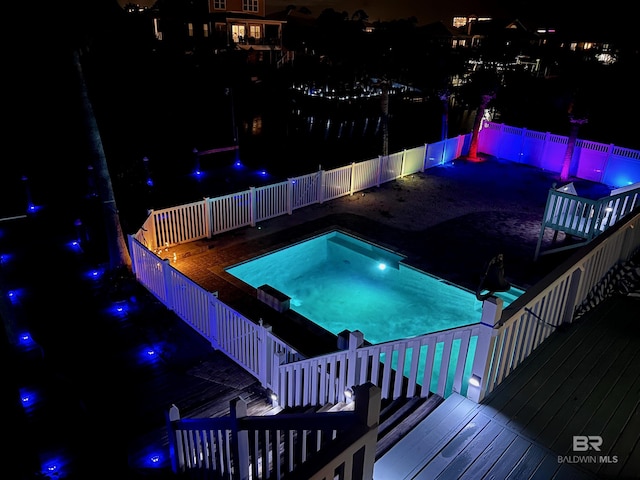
column 282, row 446
column 583, row 217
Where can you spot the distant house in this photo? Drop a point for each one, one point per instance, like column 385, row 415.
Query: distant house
column 439, row 34
column 215, row 25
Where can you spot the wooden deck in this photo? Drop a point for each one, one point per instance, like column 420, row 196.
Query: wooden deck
column 583, row 381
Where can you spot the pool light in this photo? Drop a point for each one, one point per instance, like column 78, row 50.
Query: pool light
column 382, row 266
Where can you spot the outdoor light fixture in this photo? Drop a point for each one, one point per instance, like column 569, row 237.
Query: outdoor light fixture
column 273, row 396
column 475, row 380
column 349, row 393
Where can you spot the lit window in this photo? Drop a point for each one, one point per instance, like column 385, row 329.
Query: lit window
column 255, row 31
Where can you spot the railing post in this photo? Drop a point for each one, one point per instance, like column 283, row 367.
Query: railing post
column 277, row 360
column 491, row 313
column 572, row 295
column 240, row 444
column 264, row 353
column 367, row 408
column 356, row 339
column 175, row 449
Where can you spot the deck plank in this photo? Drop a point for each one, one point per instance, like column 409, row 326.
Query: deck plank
column 472, row 450
column 587, row 419
column 509, row 459
column 453, row 448
column 490, row 455
column 420, row 444
column 546, row 387
column 621, row 429
column 572, row 406
column 542, row 361
column 528, row 463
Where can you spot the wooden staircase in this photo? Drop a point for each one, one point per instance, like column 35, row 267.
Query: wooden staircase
column 397, row 417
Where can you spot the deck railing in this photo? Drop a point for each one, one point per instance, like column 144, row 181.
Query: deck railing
column 332, row 445
column 583, row 217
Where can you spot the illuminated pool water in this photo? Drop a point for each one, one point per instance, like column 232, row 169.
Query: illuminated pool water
column 343, row 283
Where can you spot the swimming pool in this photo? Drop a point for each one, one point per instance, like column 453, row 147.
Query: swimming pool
column 341, row 282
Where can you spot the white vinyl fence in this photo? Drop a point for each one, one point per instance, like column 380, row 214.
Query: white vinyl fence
column 203, row 219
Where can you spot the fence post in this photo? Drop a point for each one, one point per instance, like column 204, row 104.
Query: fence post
column 491, row 313
column 353, row 167
column 424, row 157
column 208, row 221
column 404, row 153
column 572, row 295
column 212, row 312
column 379, row 170
column 240, row 443
column 252, row 205
column 133, row 252
column 290, row 183
column 168, row 284
column 321, row 187
column 154, row 244
column 521, row 153
column 603, row 175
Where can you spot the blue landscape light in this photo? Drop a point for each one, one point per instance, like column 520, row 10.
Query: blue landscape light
column 25, row 341
column 29, row 399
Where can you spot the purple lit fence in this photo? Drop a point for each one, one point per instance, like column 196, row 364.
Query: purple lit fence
column 609, row 164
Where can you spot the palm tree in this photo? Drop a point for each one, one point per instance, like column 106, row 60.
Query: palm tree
column 119, row 257
column 384, row 104
column 566, row 171
column 473, row 148
column 444, row 98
